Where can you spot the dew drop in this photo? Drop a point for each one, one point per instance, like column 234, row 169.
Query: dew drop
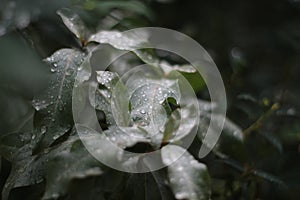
column 43, row 129
column 55, row 137
column 180, row 168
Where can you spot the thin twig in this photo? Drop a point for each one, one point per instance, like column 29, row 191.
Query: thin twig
column 258, row 123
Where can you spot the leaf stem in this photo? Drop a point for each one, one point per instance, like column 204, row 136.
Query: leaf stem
column 258, row 123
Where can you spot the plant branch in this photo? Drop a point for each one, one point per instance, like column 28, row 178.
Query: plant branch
column 258, row 123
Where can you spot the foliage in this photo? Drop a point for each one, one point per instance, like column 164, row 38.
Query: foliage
column 45, row 157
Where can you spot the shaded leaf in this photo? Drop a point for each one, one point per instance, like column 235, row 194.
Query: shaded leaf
column 189, row 179
column 151, row 185
column 133, row 6
column 59, row 164
column 230, row 129
column 112, row 100
column 53, row 106
column 269, row 177
column 180, row 123
column 126, row 136
column 26, row 171
column 11, row 143
column 273, row 140
column 68, row 165
column 74, row 23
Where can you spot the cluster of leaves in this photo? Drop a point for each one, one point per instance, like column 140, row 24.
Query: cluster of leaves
column 19, row 14
column 53, row 153
column 52, row 159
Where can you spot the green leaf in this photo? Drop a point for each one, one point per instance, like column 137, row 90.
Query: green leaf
column 84, row 70
column 151, row 185
column 108, row 146
column 74, row 23
column 112, row 100
column 100, row 145
column 180, row 123
column 117, row 96
column 53, row 105
column 230, row 129
column 163, row 65
column 120, row 40
column 126, row 136
column 189, row 179
column 133, row 6
column 272, row 139
column 172, row 125
column 16, row 148
column 269, row 177
column 134, row 42
column 11, row 143
column 24, row 172
column 148, row 93
column 59, row 165
column 167, row 67
column 68, row 165
column 195, row 80
column 161, row 179
column 148, row 105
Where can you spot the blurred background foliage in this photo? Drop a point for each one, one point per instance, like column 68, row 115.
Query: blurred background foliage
column 255, row 44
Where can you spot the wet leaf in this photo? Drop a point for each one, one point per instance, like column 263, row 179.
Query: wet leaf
column 180, row 123
column 74, row 163
column 126, row 136
column 163, row 65
column 74, row 23
column 230, row 129
column 53, row 105
column 181, row 68
column 120, row 40
column 189, row 179
column 60, row 164
column 151, row 185
column 148, row 104
column 269, row 177
column 11, row 143
column 111, row 98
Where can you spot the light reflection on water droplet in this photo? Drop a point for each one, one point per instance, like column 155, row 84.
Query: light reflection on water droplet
column 55, row 137
column 43, row 129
